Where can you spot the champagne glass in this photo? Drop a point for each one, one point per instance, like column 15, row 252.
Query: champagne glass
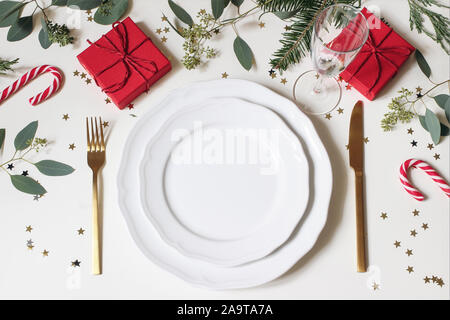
column 339, row 32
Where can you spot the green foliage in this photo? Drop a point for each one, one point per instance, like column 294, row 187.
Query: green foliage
column 6, row 65
column 2, row 137
column 180, row 13
column 53, row 168
column 243, row 53
column 25, row 136
column 27, row 185
column 59, row 34
column 423, row 64
column 20, row 29
column 217, row 8
column 399, row 112
column 110, row 11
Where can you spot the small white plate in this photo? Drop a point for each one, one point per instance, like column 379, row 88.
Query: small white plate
column 199, row 272
column 225, row 181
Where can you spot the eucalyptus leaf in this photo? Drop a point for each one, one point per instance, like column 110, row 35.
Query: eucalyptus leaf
column 20, row 29
column 423, row 123
column 23, row 138
column 119, row 7
column 84, row 4
column 442, row 100
column 243, row 53
column 283, row 15
column 217, row 8
column 181, row 13
column 44, row 39
column 445, row 131
column 447, row 112
column 54, row 168
column 237, row 3
column 27, row 185
column 9, row 12
column 423, row 64
column 174, row 28
column 433, row 125
column 60, row 3
column 2, row 137
column 226, row 3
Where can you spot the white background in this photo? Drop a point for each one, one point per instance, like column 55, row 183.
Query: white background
column 328, row 271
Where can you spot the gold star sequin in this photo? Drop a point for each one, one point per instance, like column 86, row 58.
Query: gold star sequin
column 440, row 282
column 434, row 279
column 163, row 18
column 224, row 75
column 158, row 31
column 375, row 286
column 384, row 215
column 425, row 226
column 202, row 11
column 410, row 269
column 328, row 116
column 262, row 24
column 89, row 11
column 283, row 80
column 88, row 81
column 45, row 253
column 163, row 39
column 347, row 147
column 340, row 111
column 426, row 279
column 430, row 146
column 29, row 229
column 166, row 29
column 317, row 76
column 273, row 75
column 437, row 156
column 90, row 19
column 418, row 89
column 30, row 247
column 76, row 73
column 107, row 100
column 287, row 28
column 105, row 124
column 410, row 131
column 409, row 252
column 415, row 212
column 366, row 140
column 80, row 231
column 72, row 146
column 83, row 75
column 66, row 117
column 397, row 244
column 413, row 233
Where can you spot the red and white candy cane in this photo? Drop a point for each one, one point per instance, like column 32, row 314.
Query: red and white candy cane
column 416, row 194
column 30, row 75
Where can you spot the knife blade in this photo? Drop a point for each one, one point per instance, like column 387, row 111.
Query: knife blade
column 356, row 152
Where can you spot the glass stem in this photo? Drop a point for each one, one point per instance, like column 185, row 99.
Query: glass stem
column 318, row 87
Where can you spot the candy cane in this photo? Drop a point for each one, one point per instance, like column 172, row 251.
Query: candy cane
column 30, row 75
column 429, row 170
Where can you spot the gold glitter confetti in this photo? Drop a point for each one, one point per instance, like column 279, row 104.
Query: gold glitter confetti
column 88, row 81
column 283, row 80
column 45, row 253
column 262, row 24
column 66, row 117
column 384, row 215
column 415, row 212
column 163, row 39
column 410, row 269
column 437, row 156
column 430, row 146
column 340, row 111
column 158, row 31
column 29, row 229
column 366, row 140
column 410, row 131
column 328, row 116
column 224, row 75
column 413, row 233
column 409, row 252
column 425, row 226
column 72, row 146
column 76, row 73
column 80, row 231
column 397, row 244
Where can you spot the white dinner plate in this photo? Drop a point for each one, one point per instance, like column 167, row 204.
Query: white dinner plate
column 225, row 181
column 203, row 273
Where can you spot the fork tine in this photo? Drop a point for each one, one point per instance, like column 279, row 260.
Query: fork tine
column 97, row 140
column 93, row 136
column 102, row 145
column 87, row 134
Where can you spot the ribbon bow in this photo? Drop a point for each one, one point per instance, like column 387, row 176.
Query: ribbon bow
column 126, row 57
column 378, row 51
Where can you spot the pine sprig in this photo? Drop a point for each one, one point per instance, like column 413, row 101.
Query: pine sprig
column 419, row 10
column 6, row 65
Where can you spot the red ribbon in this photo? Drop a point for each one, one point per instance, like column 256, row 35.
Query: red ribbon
column 126, row 57
column 375, row 50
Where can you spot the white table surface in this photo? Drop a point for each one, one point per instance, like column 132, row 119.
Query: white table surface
column 328, row 271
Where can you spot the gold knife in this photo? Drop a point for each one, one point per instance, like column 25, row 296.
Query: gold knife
column 356, row 150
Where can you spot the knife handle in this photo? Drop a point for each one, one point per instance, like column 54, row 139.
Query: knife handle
column 360, row 224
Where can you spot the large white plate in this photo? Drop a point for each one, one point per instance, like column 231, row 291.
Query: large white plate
column 225, row 181
column 203, row 273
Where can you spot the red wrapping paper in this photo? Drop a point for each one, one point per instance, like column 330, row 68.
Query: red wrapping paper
column 379, row 59
column 124, row 63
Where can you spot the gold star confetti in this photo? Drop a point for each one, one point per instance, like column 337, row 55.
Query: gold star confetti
column 434, row 279
column 425, row 226
column 66, row 117
column 158, row 31
column 375, row 286
column 384, row 215
column 287, row 28
column 105, row 124
column 29, row 229
column 409, row 252
column 440, row 282
column 30, row 247
column 397, row 244
column 413, row 233
column 90, row 19
column 410, row 269
column 410, row 131
column 418, row 89
column 88, row 81
column 202, row 11
column 163, row 18
column 89, row 11
column 426, row 279
column 340, row 111
column 166, row 29
column 72, row 146
column 328, row 116
column 224, row 75
column 163, row 39
column 83, row 75
column 283, row 80
column 273, row 75
column 107, row 100
column 45, row 253
column 430, row 146
column 415, row 212
column 437, row 156
column 366, row 140
column 262, row 24
column 76, row 73
column 80, row 231
column 347, row 147
column 317, row 76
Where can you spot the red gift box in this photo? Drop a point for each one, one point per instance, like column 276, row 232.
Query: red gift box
column 379, row 59
column 124, row 62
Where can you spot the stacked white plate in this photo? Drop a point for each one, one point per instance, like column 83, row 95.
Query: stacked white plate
column 225, row 184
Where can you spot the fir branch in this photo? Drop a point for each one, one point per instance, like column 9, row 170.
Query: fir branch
column 6, row 65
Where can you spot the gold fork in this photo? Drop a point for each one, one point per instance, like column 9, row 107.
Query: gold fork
column 96, row 160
